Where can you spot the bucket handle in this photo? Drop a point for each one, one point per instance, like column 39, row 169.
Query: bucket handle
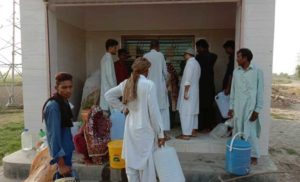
column 233, row 138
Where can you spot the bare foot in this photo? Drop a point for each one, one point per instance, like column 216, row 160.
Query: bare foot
column 194, row 133
column 253, row 161
column 183, row 137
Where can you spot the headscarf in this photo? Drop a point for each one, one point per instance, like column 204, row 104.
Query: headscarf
column 139, row 66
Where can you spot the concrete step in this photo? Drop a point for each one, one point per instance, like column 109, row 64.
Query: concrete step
column 197, row 168
column 4, row 179
column 203, row 143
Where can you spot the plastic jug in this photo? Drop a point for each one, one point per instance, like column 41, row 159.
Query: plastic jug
column 167, row 165
column 42, row 133
column 118, row 125
column 219, row 131
column 26, row 140
column 238, row 156
column 222, row 101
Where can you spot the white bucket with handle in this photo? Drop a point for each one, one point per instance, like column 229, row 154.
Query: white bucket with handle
column 167, row 165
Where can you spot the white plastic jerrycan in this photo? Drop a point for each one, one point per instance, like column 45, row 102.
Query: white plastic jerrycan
column 167, row 165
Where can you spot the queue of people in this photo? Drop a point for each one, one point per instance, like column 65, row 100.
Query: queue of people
column 145, row 96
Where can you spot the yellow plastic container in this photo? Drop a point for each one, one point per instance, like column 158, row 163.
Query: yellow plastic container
column 115, row 154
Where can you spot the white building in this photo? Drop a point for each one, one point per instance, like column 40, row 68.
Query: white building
column 69, row 35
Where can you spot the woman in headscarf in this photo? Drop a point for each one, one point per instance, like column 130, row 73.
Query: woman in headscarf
column 143, row 126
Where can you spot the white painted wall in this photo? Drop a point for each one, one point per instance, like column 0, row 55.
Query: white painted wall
column 95, row 45
column 67, row 54
column 70, row 50
column 257, row 34
column 143, row 17
column 35, row 62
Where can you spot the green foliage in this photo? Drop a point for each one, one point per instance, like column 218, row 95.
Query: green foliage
column 298, row 71
column 291, row 151
column 280, row 116
column 282, row 78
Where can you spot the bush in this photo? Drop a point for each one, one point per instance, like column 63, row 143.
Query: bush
column 298, row 71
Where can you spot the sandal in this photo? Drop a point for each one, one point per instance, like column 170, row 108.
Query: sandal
column 167, row 137
column 194, row 134
column 183, row 137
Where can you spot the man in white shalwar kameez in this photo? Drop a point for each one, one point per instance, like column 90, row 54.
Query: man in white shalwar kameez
column 108, row 75
column 158, row 73
column 246, row 100
column 188, row 100
column 143, row 125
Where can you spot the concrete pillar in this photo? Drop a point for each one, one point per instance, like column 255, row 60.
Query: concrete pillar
column 257, row 34
column 35, row 62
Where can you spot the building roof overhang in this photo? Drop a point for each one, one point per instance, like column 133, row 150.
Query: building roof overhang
column 127, row 2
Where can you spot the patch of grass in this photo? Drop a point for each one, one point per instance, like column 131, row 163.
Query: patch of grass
column 280, row 116
column 282, row 78
column 291, row 151
column 281, row 81
column 8, row 81
column 273, row 151
column 11, row 127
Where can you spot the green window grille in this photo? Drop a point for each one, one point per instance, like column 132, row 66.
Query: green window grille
column 171, row 46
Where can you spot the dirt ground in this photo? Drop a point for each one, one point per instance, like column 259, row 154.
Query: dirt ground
column 285, row 130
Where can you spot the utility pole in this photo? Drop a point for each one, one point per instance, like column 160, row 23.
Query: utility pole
column 10, row 65
column 11, row 100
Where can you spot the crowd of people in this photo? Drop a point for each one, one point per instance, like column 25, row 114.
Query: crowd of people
column 151, row 93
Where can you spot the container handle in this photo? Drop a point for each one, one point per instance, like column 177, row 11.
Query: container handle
column 233, row 138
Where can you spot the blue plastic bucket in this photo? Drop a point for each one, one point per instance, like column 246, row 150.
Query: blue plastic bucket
column 118, row 125
column 238, row 156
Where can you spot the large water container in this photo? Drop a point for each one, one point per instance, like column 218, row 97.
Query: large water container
column 167, row 165
column 238, row 156
column 118, row 124
column 26, row 140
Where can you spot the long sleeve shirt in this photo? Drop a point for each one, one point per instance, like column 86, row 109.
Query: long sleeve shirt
column 247, row 91
column 59, row 138
column 143, row 124
column 158, row 73
column 108, row 78
column 191, row 76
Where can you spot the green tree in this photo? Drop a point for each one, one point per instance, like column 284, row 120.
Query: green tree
column 298, row 71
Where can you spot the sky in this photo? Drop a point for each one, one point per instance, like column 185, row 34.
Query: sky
column 6, row 9
column 286, row 36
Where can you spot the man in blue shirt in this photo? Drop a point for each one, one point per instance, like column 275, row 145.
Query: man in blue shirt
column 58, row 117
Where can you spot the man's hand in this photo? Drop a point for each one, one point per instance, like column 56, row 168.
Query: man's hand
column 186, row 96
column 227, row 91
column 254, row 116
column 230, row 114
column 125, row 111
column 161, row 142
column 63, row 169
column 186, row 92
